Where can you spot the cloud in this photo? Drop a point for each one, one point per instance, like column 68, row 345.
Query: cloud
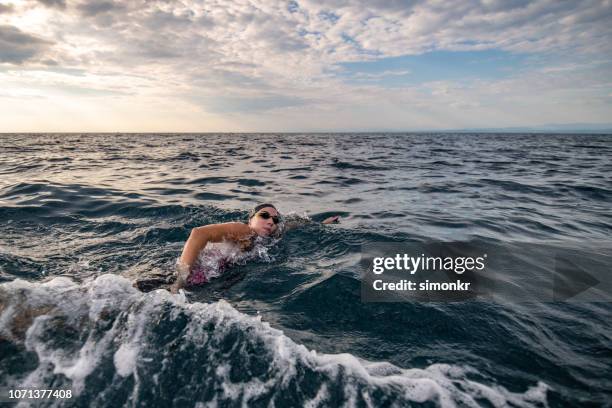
column 229, row 104
column 6, row 8
column 95, row 7
column 17, row 47
column 61, row 4
column 255, row 57
column 379, row 75
column 312, row 36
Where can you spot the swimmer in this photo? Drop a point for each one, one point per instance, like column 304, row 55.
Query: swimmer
column 264, row 221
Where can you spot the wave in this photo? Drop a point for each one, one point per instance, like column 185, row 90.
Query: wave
column 111, row 344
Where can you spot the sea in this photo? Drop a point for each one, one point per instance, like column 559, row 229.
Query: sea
column 83, row 215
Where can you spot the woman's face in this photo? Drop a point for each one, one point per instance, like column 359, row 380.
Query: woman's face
column 264, row 225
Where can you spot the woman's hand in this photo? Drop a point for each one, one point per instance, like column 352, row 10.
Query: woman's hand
column 331, row 220
column 182, row 273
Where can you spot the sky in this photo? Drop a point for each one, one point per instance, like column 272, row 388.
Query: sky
column 302, row 65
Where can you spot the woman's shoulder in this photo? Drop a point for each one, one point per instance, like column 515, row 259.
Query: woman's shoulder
column 235, row 231
column 237, row 228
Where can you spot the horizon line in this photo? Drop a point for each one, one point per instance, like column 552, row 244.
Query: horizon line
column 483, row 131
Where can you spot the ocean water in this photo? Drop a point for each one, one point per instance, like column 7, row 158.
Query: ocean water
column 83, row 215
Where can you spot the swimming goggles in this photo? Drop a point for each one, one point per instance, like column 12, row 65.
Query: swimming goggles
column 266, row 215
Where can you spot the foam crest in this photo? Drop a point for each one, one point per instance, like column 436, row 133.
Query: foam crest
column 110, row 343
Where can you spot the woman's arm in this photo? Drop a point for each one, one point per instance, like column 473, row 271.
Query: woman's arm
column 198, row 238
column 296, row 221
column 331, row 220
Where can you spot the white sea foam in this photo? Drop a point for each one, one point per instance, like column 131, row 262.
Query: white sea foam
column 116, row 327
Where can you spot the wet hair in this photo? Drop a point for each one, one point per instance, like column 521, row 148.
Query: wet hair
column 259, row 207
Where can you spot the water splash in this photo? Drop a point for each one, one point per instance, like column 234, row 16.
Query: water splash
column 110, row 343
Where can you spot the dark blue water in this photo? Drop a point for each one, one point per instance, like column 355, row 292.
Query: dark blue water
column 82, row 215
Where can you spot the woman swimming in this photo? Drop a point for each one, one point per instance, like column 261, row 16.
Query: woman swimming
column 210, row 248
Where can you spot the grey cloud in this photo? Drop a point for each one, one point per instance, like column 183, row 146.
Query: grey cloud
column 371, row 6
column 162, row 19
column 6, row 8
column 54, row 3
column 401, row 6
column 103, row 14
column 155, row 49
column 205, row 22
column 592, row 15
column 92, row 8
column 17, row 46
column 280, row 41
column 503, row 5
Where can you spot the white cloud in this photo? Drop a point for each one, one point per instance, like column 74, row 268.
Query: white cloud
column 380, row 75
column 274, row 65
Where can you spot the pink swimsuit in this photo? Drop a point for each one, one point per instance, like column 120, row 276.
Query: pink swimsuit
column 212, row 261
column 197, row 276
